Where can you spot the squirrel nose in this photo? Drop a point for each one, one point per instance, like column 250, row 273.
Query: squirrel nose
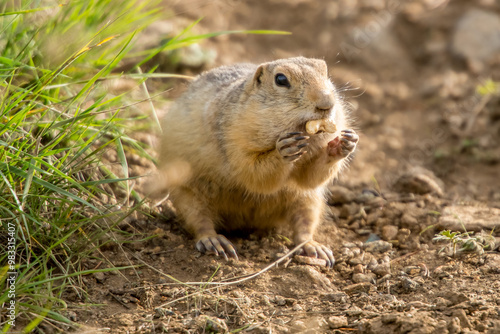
column 325, row 103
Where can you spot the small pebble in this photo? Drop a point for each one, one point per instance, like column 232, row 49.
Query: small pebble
column 360, row 278
column 358, row 288
column 389, row 232
column 378, row 246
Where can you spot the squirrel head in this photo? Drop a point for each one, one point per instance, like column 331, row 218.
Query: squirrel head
column 293, row 91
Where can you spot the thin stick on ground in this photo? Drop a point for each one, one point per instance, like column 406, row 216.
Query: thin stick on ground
column 243, row 278
column 219, row 284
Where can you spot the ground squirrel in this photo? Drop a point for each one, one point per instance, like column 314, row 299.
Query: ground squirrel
column 235, row 152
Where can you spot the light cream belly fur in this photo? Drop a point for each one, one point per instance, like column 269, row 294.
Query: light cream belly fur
column 234, row 209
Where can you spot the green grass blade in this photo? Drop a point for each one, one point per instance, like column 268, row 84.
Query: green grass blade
column 47, row 185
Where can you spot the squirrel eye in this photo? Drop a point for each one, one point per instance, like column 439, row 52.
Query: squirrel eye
column 281, row 80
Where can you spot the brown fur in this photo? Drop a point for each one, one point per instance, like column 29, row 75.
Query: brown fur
column 225, row 128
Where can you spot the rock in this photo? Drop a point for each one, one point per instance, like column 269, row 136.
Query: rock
column 310, row 260
column 378, row 47
column 359, row 268
column 191, row 56
column 378, row 246
column 360, row 277
column 340, row 195
column 455, row 297
column 280, row 301
column 194, row 56
column 408, row 221
column 418, row 304
column 345, row 254
column 476, row 37
column 497, row 244
column 403, row 235
column 382, row 269
column 419, row 181
column 408, row 284
column 99, row 276
column 472, row 218
column 338, row 297
column 370, row 197
column 337, row 322
column 372, row 237
column 492, row 264
column 312, row 275
column 308, row 325
column 349, row 210
column 442, row 303
column 389, row 232
column 364, row 258
column 358, row 288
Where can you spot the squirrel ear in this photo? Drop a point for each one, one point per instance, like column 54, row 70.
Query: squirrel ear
column 257, row 77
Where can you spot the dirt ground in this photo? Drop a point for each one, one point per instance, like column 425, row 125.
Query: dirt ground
column 428, row 160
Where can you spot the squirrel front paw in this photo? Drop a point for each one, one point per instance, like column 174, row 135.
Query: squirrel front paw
column 218, row 244
column 344, row 145
column 317, row 250
column 291, row 146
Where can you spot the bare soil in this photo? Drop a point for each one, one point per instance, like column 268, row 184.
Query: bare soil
column 428, row 160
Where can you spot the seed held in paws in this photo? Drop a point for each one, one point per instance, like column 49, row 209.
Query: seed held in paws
column 326, row 125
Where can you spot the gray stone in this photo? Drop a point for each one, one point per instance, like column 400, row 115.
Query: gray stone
column 99, row 276
column 408, row 285
column 337, row 297
column 492, row 264
column 382, row 269
column 280, row 301
column 378, row 246
column 340, row 195
column 476, row 37
column 419, row 181
column 364, row 278
column 472, row 218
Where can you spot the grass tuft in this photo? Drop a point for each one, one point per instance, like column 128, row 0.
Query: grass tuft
column 56, row 121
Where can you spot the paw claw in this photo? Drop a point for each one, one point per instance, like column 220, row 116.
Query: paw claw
column 344, row 145
column 291, row 146
column 219, row 245
column 290, row 134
